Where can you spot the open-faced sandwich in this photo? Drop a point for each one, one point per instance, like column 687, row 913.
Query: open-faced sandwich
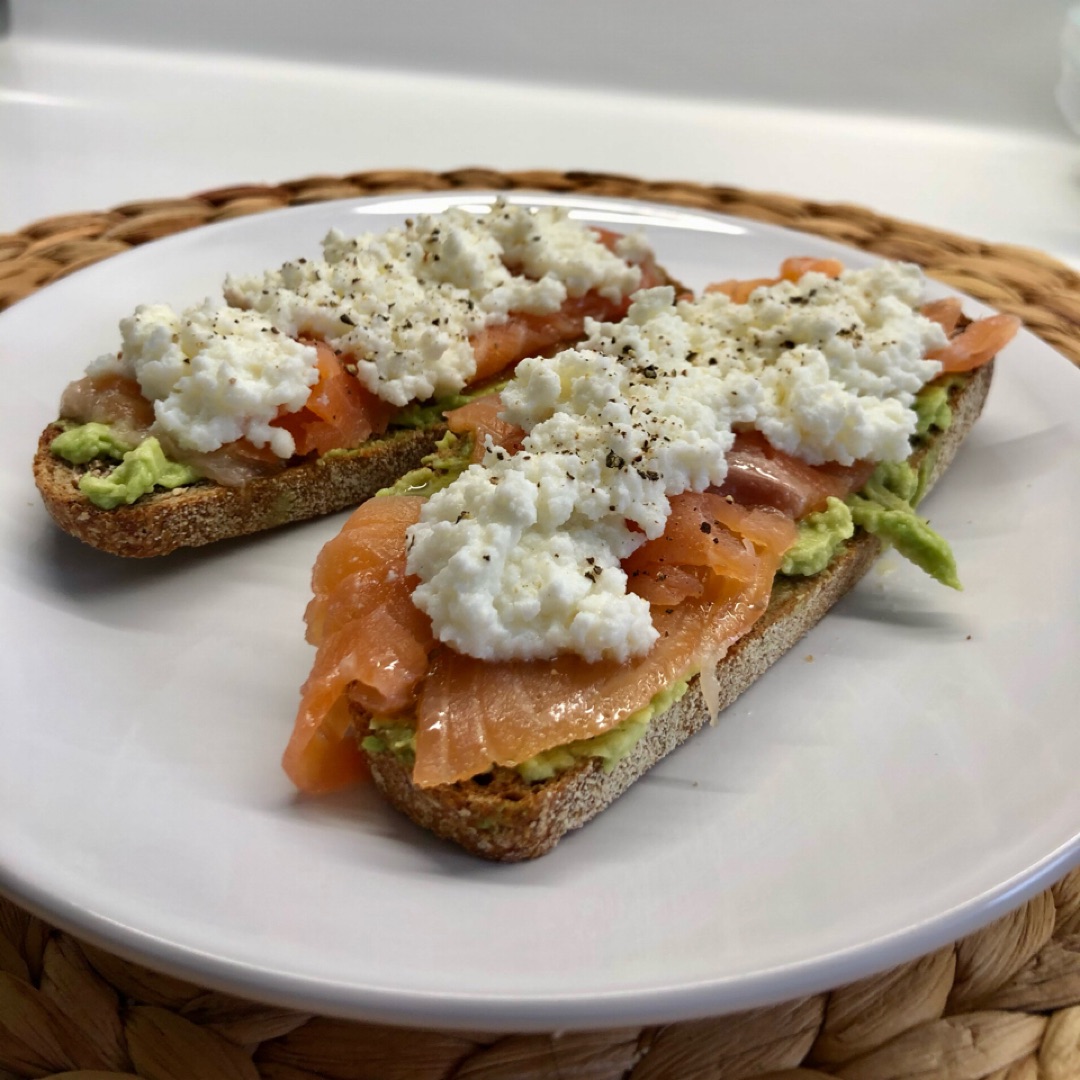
column 604, row 554
column 321, row 382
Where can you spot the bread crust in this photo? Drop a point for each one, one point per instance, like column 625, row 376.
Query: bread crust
column 204, row 512
column 508, row 819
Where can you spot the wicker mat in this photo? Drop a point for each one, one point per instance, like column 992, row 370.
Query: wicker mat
column 1002, row 1003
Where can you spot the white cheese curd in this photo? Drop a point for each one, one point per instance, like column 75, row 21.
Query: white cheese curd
column 548, row 243
column 405, row 303
column 839, row 361
column 519, row 557
column 214, row 375
column 517, row 572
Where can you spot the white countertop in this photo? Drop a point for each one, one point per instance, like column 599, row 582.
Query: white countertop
column 942, row 114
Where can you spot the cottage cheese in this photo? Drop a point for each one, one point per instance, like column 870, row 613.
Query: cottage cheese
column 214, row 375
column 519, row 558
column 517, row 571
column 615, row 429
column 405, row 303
column 839, row 361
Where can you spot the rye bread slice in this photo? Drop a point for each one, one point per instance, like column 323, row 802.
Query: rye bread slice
column 204, row 512
column 503, row 817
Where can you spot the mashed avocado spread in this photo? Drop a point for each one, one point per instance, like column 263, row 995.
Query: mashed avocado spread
column 84, row 442
column 141, row 468
column 821, row 535
column 885, row 507
column 437, row 470
column 932, row 408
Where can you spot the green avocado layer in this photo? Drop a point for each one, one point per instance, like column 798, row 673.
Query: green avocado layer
column 886, row 508
column 437, row 470
column 140, row 468
column 81, row 443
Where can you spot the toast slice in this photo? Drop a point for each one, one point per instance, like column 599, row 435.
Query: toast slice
column 402, row 318
column 204, row 512
column 503, row 817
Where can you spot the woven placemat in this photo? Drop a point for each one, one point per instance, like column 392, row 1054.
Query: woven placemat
column 1003, row 1003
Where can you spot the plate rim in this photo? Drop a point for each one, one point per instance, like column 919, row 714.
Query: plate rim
column 564, row 1012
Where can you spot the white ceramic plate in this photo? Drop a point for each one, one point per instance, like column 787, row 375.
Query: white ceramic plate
column 906, row 774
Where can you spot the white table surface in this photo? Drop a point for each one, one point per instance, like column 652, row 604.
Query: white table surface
column 942, row 112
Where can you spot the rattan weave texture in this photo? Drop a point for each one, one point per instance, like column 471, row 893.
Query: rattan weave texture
column 1003, row 1003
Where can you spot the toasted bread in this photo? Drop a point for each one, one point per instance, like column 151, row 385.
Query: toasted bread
column 204, row 512
column 501, row 816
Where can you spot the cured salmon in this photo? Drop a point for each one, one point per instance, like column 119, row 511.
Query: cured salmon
column 761, row 475
column 372, row 641
column 340, row 411
column 946, row 313
column 498, row 346
column 109, row 399
column 481, row 420
column 977, row 343
column 972, row 347
column 790, row 270
column 374, row 645
column 473, row 713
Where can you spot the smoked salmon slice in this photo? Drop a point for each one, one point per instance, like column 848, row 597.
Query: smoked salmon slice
column 946, row 313
column 790, row 270
column 473, row 713
column 370, row 543
column 974, row 346
column 761, row 475
column 109, row 399
column 374, row 661
column 340, row 413
column 375, row 648
column 794, row 268
column 500, row 345
column 373, row 642
column 977, row 343
column 676, row 565
column 481, row 419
